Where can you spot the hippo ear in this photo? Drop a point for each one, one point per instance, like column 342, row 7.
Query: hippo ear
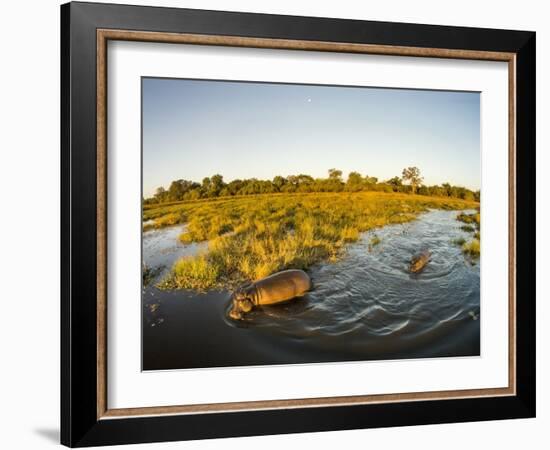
column 245, row 287
column 240, row 292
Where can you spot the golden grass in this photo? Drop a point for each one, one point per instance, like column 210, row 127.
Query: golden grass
column 474, row 218
column 471, row 248
column 193, row 273
column 251, row 237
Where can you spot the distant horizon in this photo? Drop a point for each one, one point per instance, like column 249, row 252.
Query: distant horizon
column 344, row 179
column 194, row 129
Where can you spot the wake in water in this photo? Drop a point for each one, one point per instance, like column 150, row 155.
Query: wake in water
column 366, row 306
column 372, row 288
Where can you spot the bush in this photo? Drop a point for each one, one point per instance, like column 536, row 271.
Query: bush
column 471, row 248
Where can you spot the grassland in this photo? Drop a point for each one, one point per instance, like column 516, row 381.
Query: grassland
column 251, row 237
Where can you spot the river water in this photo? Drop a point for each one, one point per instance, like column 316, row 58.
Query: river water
column 366, row 306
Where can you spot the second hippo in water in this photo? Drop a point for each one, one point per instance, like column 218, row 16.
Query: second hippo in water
column 418, row 262
column 277, row 288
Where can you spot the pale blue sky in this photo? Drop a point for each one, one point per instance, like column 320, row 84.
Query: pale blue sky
column 193, row 129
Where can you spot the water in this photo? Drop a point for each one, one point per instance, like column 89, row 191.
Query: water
column 162, row 247
column 366, row 306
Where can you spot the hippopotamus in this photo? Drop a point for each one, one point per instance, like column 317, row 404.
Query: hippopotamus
column 418, row 262
column 277, row 288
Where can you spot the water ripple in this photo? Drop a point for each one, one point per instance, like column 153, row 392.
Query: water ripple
column 365, row 306
column 370, row 291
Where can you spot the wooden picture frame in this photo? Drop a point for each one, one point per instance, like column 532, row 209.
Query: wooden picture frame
column 86, row 418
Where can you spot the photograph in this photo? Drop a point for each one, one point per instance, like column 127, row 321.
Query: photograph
column 288, row 222
column 297, row 224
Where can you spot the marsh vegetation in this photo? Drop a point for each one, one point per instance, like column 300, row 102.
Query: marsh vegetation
column 472, row 225
column 250, row 237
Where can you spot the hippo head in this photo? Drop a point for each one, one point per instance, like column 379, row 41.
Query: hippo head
column 242, row 302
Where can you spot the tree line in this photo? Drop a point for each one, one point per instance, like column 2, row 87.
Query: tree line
column 410, row 181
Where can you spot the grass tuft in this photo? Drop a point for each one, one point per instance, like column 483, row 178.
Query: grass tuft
column 471, row 248
column 375, row 240
column 192, row 273
column 459, row 241
column 467, row 228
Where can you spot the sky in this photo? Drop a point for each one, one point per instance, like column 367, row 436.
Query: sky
column 197, row 128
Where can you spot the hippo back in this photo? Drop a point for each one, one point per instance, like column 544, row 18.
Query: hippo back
column 418, row 262
column 281, row 286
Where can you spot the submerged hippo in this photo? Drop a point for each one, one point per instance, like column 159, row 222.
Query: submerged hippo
column 277, row 288
column 418, row 262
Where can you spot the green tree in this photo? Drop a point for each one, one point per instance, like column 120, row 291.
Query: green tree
column 304, row 183
column 335, row 183
column 355, row 182
column 216, row 185
column 279, row 182
column 423, row 190
column 412, row 175
column 396, row 183
column 447, row 189
column 176, row 190
column 205, row 186
column 160, row 195
column 371, row 180
column 335, row 175
column 193, row 194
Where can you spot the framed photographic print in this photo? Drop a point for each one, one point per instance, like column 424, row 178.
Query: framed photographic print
column 278, row 224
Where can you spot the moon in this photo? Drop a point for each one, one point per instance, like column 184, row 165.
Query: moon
column 309, row 100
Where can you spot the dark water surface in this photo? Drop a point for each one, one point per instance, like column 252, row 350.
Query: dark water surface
column 366, row 306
